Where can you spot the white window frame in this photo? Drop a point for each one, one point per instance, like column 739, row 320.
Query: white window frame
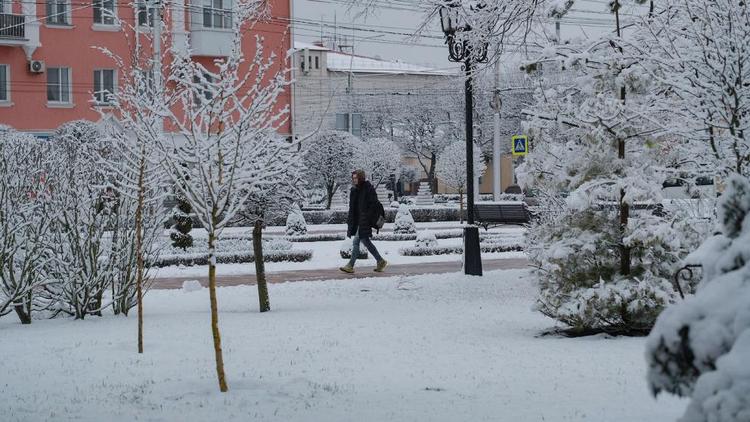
column 112, row 14
column 6, row 82
column 150, row 13
column 60, row 92
column 68, row 16
column 101, row 82
column 223, row 14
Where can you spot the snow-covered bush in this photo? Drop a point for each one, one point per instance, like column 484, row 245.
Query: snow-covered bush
column 404, row 222
column 346, row 250
column 295, row 222
column 426, row 239
column 86, row 211
column 459, row 249
column 277, row 244
column 236, row 257
column 699, row 348
column 26, row 213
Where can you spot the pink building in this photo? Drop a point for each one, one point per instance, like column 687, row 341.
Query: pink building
column 51, row 72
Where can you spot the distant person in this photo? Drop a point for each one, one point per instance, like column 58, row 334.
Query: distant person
column 365, row 213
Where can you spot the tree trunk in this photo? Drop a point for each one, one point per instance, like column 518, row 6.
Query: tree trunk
column 260, row 267
column 461, row 205
column 329, row 193
column 431, row 174
column 139, row 246
column 24, row 316
column 215, row 312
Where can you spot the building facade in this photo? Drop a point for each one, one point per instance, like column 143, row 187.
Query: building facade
column 334, row 89
column 52, row 69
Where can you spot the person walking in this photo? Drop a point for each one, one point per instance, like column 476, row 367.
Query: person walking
column 364, row 211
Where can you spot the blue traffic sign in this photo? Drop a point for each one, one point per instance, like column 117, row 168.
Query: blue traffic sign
column 520, row 145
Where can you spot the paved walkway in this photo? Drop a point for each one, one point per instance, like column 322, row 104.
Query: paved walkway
column 335, row 274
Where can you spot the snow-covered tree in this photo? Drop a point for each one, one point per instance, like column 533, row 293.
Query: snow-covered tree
column 134, row 128
column 699, row 347
column 328, row 157
column 451, row 169
column 295, row 222
column 601, row 265
column 223, row 117
column 26, row 213
column 404, row 222
column 424, row 132
column 183, row 224
column 698, row 54
column 379, row 158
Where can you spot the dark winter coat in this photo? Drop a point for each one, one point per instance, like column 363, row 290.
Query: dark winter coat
column 363, row 214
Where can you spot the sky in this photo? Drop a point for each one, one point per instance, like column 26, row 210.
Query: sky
column 387, row 33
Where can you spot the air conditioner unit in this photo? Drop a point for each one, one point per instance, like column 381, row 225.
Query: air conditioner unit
column 36, row 66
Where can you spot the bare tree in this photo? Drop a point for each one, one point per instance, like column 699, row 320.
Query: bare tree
column 221, row 151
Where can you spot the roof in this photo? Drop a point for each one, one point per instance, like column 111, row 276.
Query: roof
column 337, row 61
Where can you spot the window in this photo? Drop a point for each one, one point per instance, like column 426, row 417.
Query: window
column 104, row 12
column 200, row 94
column 342, row 122
column 104, row 85
column 57, row 12
column 4, row 83
column 317, row 62
column 145, row 82
column 349, row 122
column 356, row 124
column 145, row 13
column 58, row 85
column 217, row 14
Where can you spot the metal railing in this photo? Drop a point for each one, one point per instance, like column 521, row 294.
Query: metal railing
column 12, row 26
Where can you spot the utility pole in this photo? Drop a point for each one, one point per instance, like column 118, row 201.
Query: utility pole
column 496, row 168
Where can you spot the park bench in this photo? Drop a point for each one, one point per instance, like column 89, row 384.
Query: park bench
column 507, row 212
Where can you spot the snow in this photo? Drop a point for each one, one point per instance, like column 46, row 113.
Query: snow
column 189, row 286
column 427, row 348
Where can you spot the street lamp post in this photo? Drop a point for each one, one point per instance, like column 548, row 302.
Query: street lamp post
column 462, row 51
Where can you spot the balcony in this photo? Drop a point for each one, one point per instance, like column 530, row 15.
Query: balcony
column 211, row 32
column 12, row 29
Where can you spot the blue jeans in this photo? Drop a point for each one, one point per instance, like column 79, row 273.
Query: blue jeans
column 355, row 248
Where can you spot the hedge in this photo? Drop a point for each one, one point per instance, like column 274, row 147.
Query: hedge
column 320, row 237
column 233, row 258
column 449, row 250
column 339, row 216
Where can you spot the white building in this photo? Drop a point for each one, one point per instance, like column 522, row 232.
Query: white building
column 330, row 85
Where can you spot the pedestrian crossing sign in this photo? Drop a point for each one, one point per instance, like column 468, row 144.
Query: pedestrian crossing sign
column 520, row 145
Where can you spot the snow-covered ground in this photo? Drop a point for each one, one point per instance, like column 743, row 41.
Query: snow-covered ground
column 430, row 348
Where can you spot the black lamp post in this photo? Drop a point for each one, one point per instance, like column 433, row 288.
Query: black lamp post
column 462, row 51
